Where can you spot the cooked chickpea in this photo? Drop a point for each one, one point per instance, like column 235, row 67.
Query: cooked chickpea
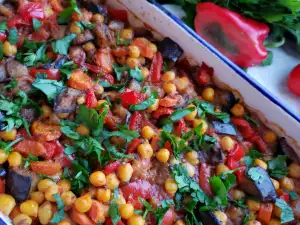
column 81, row 100
column 145, row 150
column 9, row 136
column 83, row 203
column 44, row 184
column 75, row 29
column 254, row 222
column 253, row 205
column 221, row 216
column 29, row 208
column 125, row 172
column 63, row 115
column 64, row 185
column 64, row 222
column 45, row 213
column 260, row 163
column 103, row 195
column 192, row 115
column 134, row 51
column 136, row 220
column 7, row 203
column 9, row 50
column 121, row 200
column 132, row 62
column 50, row 192
column 3, row 156
column 174, row 161
column 47, row 111
column 145, row 72
column 169, row 88
column 68, row 198
column 221, row 168
column 98, row 18
column 98, row 89
column 238, row 110
column 98, row 179
column 147, row 132
column 126, row 211
column 269, row 137
column 192, row 157
column 89, row 46
column 171, row 186
column 294, row 170
column 227, row 144
column 163, row 155
column 154, row 106
column 274, row 221
column 275, row 183
column 127, row 34
column 182, row 83
column 208, row 94
column 14, row 159
column 197, row 122
column 168, row 76
column 179, row 222
column 83, row 130
column 237, row 194
column 287, row 183
column 37, row 196
column 153, row 47
column 22, row 219
column 190, row 169
column 112, row 181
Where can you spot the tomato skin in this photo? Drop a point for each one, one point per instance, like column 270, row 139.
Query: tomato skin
column 240, row 173
column 294, row 81
column 90, row 99
column 111, row 167
column 204, row 174
column 265, row 212
column 135, row 121
column 53, row 149
column 156, row 67
column 45, row 167
column 162, row 111
column 130, row 97
column 133, row 145
column 32, row 10
column 2, row 186
column 3, row 36
column 244, row 127
column 17, row 20
column 80, row 80
column 235, row 156
column 27, row 147
column 284, row 196
column 52, row 74
column 169, row 217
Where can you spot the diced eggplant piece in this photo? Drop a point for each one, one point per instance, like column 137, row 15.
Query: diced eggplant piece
column 60, row 62
column 77, row 54
column 96, row 8
column 207, row 217
column 105, row 37
column 15, row 69
column 3, row 124
column 28, row 114
column 225, row 99
column 224, row 128
column 3, row 74
column 262, row 189
column 66, row 102
column 284, row 147
column 170, row 50
column 212, row 156
column 2, row 172
column 83, row 38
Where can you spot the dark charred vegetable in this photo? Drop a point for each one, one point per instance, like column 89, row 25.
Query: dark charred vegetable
column 3, row 124
column 284, row 147
column 60, row 61
column 97, row 8
column 66, row 101
column 224, row 128
column 208, row 217
column 18, row 185
column 170, row 50
column 3, row 74
column 260, row 187
column 212, row 156
column 226, row 99
column 2, row 172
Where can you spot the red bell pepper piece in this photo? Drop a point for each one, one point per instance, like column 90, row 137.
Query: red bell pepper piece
column 98, row 69
column 53, row 149
column 52, row 74
column 130, row 97
column 135, row 121
column 244, row 127
column 230, row 32
column 16, row 21
column 204, row 175
column 133, row 145
column 134, row 190
column 108, row 221
column 294, row 80
column 3, row 36
column 32, row 10
column 240, row 173
column 204, row 74
column 118, row 14
column 162, row 111
column 111, row 167
column 181, row 127
column 168, row 146
column 90, row 99
column 2, row 186
column 284, row 196
column 265, row 212
column 156, row 67
column 259, row 143
column 235, row 156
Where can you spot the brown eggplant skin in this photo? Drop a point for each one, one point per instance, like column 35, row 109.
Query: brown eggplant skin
column 224, row 128
column 170, row 49
column 207, row 217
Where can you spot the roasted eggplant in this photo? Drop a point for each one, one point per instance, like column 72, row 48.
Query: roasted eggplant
column 212, row 156
column 170, row 49
column 224, row 128
column 2, row 172
column 284, row 147
column 3, row 123
column 60, row 62
column 66, row 101
column 208, row 217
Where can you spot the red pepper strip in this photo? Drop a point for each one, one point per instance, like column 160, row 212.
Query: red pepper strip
column 133, row 145
column 16, row 21
column 204, row 174
column 32, row 10
column 204, row 74
column 240, row 174
column 181, row 127
column 235, row 156
column 260, row 144
column 118, row 14
column 294, row 80
column 64, row 160
column 134, row 190
column 130, row 97
column 284, row 196
column 3, row 36
column 111, row 167
column 168, row 146
column 265, row 212
column 52, row 74
column 2, row 186
column 90, row 99
column 154, row 143
column 98, row 69
column 244, row 127
column 135, row 121
column 108, row 221
column 53, row 149
column 230, row 32
column 162, row 111
column 156, row 67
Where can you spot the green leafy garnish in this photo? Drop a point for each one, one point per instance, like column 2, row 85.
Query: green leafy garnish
column 7, row 147
column 31, row 158
column 36, row 24
column 120, row 41
column 255, row 175
column 251, row 156
column 57, row 217
column 1, row 51
column 180, row 113
column 3, row 26
column 114, row 208
column 11, row 85
column 123, row 132
column 114, row 153
column 80, row 177
column 67, row 68
column 61, row 46
column 287, row 214
column 51, row 88
column 246, row 219
column 293, row 195
column 13, row 36
column 68, row 128
column 277, row 167
column 65, row 15
column 145, row 104
column 268, row 61
column 148, row 207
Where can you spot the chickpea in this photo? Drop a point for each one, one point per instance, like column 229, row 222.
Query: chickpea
column 64, row 185
column 174, row 161
column 3, row 156
column 98, row 89
column 227, row 144
column 9, row 50
column 75, row 29
column 81, row 100
column 171, row 186
column 45, row 213
column 68, row 198
column 47, row 111
column 169, row 88
column 22, row 219
column 37, row 196
column 147, row 132
column 29, row 208
column 154, row 106
column 192, row 157
column 168, row 76
column 254, row 222
column 192, row 115
column 180, row 222
column 97, row 18
column 208, row 94
column 253, row 205
column 112, row 181
column 132, row 62
column 7, row 203
column 190, row 169
column 136, row 220
column 153, row 47
column 275, row 183
column 260, row 163
column 287, row 183
column 63, row 115
column 83, row 130
column 238, row 110
column 9, row 136
column 14, row 159
column 237, row 194
column 50, row 192
column 126, row 211
column 145, row 150
column 163, row 155
column 83, row 203
column 134, row 51
column 127, row 34
column 89, row 46
column 145, row 72
column 203, row 123
column 125, row 172
column 44, row 184
column 64, row 222
column 103, row 195
column 221, row 168
column 182, row 83
column 294, row 170
column 269, row 137
column 221, row 216
column 98, row 179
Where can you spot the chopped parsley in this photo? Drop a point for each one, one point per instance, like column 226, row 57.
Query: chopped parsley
column 287, row 214
column 114, row 208
column 65, row 16
column 120, row 41
column 160, row 212
column 57, row 217
column 80, row 176
column 61, row 46
column 180, row 113
column 7, row 147
column 13, row 36
column 36, row 24
column 31, row 158
column 3, row 26
column 51, row 88
column 255, row 174
column 145, row 104
column 277, row 167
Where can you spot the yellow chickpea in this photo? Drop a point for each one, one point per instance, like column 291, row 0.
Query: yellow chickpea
column 126, row 211
column 269, row 137
column 163, row 155
column 9, row 136
column 83, row 203
column 274, row 221
column 192, row 157
column 197, row 122
column 154, row 106
column 75, row 29
column 153, row 47
column 64, row 185
column 3, row 156
column 294, row 170
column 98, row 89
column 134, row 51
column 221, row 168
column 44, row 184
column 136, row 220
column 132, row 62
column 168, row 76
column 171, row 186
column 103, row 195
column 208, row 94
column 112, row 181
column 47, row 111
column 260, row 163
column 145, row 150
column 14, row 159
column 145, row 72
column 83, row 130
column 22, row 219
column 125, row 172
column 190, row 169
column 68, row 198
column 9, row 50
column 64, row 222
column 89, row 46
column 45, row 213
column 50, row 192
column 180, row 222
column 253, row 205
column 221, row 216
column 169, row 88
column 147, row 132
column 237, row 194
column 142, row 60
column 98, row 179
column 98, row 18
column 227, row 144
column 29, row 208
column 63, row 115
column 192, row 115
column 182, row 83
column 238, row 110
column 7, row 203
column 37, row 196
column 275, row 183
column 127, row 34
column 287, row 183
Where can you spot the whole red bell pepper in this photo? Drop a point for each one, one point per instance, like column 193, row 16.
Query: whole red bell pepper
column 156, row 67
column 237, row 37
column 32, row 10
column 135, row 121
column 90, row 99
column 52, row 74
column 294, row 80
column 111, row 167
column 130, row 97
column 162, row 111
column 204, row 175
column 235, row 156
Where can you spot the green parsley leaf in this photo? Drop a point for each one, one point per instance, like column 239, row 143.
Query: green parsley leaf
column 255, row 175
column 246, row 219
column 75, row 7
column 160, row 212
column 31, row 158
column 124, row 132
column 251, row 156
column 80, row 177
column 240, row 203
column 114, row 209
column 7, row 147
column 119, row 70
column 293, row 195
column 251, row 120
column 3, row 26
column 51, row 88
column 67, row 68
column 32, row 52
column 36, row 24
column 68, row 128
column 136, row 74
column 180, row 113
column 120, row 41
column 11, row 85
column 287, row 214
column 89, row 26
column 13, row 36
column 69, row 150
column 1, row 51
column 148, row 207
column 57, row 217
column 268, row 61
column 115, row 154
column 65, row 16
column 61, row 46
column 79, row 25
column 145, row 104
column 277, row 167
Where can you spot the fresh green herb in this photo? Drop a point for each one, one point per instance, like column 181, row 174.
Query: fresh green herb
column 84, row 25
column 114, row 208
column 287, row 214
column 136, row 73
column 69, row 150
column 3, row 26
column 251, row 120
column 1, row 51
column 268, row 61
column 7, row 147
column 114, row 153
column 51, row 88
column 251, row 156
column 255, row 175
column 123, row 132
column 67, row 68
column 68, row 128
column 120, row 41
column 145, row 104
column 80, row 177
column 36, row 24
column 148, row 207
column 119, row 70
column 277, row 167
column 180, row 113
column 61, row 46
column 43, row 176
column 13, row 36
column 57, row 217
column 246, row 219
column 65, row 15
column 31, row 158
column 11, row 85
column 202, row 142
column 240, row 203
